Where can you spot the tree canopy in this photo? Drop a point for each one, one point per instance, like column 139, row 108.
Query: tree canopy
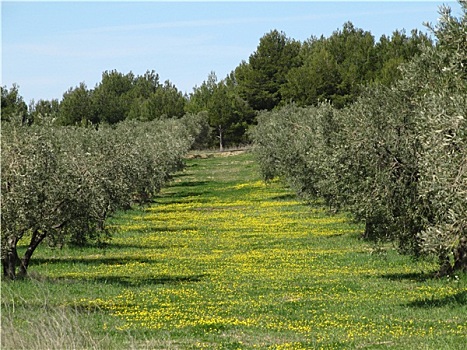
column 267, row 68
column 13, row 104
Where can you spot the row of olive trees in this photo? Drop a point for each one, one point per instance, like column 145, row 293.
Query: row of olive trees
column 397, row 158
column 60, row 184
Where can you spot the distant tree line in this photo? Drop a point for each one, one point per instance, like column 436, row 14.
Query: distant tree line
column 281, row 71
column 396, row 158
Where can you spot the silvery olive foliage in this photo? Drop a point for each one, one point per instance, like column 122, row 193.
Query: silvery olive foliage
column 296, row 143
column 396, row 158
column 198, row 126
column 60, row 184
column 441, row 77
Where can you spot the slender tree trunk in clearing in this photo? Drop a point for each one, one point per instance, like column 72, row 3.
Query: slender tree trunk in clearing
column 221, row 139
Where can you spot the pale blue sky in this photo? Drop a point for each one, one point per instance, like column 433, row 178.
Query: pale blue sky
column 48, row 47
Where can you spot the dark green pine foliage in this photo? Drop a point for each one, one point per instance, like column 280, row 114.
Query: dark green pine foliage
column 261, row 80
column 13, row 104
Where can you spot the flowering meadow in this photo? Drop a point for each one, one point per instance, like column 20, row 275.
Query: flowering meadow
column 222, row 260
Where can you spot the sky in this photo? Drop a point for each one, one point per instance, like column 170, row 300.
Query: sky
column 49, row 47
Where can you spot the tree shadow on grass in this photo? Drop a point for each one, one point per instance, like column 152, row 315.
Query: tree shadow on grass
column 101, row 260
column 411, row 276
column 455, row 300
column 190, row 183
column 121, row 280
column 183, row 194
column 132, row 281
column 285, row 197
column 112, row 246
column 183, row 197
column 176, row 200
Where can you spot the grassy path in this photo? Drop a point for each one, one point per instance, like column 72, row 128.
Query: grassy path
column 223, row 261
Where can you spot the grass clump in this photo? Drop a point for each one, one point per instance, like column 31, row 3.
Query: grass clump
column 222, row 260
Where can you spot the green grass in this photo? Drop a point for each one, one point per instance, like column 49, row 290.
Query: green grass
column 223, row 261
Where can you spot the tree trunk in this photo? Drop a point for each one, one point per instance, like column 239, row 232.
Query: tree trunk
column 10, row 260
column 460, row 255
column 36, row 239
column 445, row 267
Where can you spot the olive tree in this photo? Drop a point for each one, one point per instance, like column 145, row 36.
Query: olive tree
column 441, row 76
column 298, row 143
column 198, row 127
column 413, row 142
column 379, row 136
column 32, row 200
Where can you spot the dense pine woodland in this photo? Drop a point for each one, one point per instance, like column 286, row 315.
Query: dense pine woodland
column 374, row 127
